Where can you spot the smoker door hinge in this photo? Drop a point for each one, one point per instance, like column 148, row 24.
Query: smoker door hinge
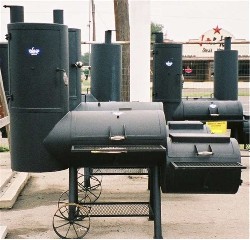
column 8, row 36
column 9, row 98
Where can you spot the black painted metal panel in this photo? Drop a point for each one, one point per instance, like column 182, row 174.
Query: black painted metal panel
column 39, row 66
column 226, row 75
column 4, row 67
column 74, row 70
column 106, row 71
column 167, row 86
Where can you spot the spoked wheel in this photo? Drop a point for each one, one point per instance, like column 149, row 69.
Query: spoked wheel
column 84, row 176
column 82, row 198
column 91, row 185
column 71, row 221
column 93, row 191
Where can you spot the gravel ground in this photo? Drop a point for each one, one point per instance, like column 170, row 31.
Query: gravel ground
column 183, row 216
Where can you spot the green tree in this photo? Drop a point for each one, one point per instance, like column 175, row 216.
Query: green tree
column 155, row 27
column 85, row 59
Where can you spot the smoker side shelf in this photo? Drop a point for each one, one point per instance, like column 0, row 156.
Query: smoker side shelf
column 206, row 165
column 119, row 209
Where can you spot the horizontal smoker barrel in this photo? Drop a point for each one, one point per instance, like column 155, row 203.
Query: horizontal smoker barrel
column 209, row 110
column 201, row 163
column 119, row 106
column 109, row 138
column 213, row 110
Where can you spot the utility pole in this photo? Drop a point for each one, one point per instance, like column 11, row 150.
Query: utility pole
column 121, row 10
column 93, row 19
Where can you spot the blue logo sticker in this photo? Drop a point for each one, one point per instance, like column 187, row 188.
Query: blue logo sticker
column 169, row 63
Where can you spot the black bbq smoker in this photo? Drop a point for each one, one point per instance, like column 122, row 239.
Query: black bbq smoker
column 102, row 135
column 167, row 58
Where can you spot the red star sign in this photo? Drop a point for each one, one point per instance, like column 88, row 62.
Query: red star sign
column 217, row 30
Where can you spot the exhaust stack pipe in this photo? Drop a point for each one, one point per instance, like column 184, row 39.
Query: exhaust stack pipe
column 226, row 73
column 16, row 13
column 58, row 16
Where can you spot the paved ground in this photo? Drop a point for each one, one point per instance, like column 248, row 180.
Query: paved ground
column 183, row 216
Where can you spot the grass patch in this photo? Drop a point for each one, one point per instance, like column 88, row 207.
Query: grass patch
column 85, row 85
column 243, row 93
column 191, row 93
column 4, row 149
column 242, row 147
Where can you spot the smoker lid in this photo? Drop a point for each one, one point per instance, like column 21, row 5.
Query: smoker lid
column 199, row 148
column 87, row 131
column 92, row 126
column 209, row 110
column 198, row 138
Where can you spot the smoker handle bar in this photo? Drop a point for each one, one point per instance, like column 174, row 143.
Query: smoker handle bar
column 109, row 152
column 204, row 153
column 118, row 148
column 117, row 138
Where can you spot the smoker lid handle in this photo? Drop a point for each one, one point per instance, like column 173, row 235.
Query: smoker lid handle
column 117, row 138
column 209, row 152
column 205, row 153
column 214, row 114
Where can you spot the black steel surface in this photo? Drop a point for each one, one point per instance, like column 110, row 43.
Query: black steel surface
column 75, row 96
column 167, row 86
column 39, row 63
column 132, row 129
column 186, row 127
column 183, row 125
column 202, row 110
column 58, row 16
column 199, row 138
column 117, row 149
column 4, row 67
column 246, row 130
column 226, row 73
column 106, row 71
column 201, row 163
column 119, row 106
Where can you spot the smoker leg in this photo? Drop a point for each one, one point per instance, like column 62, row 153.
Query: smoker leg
column 149, row 179
column 73, row 191
column 156, row 202
column 87, row 173
column 151, row 196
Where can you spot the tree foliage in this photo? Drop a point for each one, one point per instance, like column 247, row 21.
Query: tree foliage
column 156, row 27
column 85, row 59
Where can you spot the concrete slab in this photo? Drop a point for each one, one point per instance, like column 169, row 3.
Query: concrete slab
column 12, row 188
column 3, row 232
column 5, row 177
